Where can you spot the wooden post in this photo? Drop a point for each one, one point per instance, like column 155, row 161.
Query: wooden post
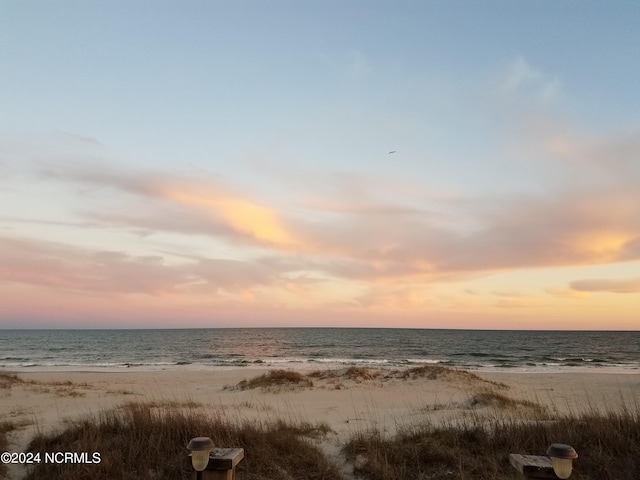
column 222, row 464
column 532, row 466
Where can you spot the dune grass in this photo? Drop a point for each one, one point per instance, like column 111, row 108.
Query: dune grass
column 148, row 441
column 498, row 401
column 63, row 389
column 478, row 448
column 275, row 380
column 8, row 380
column 5, row 428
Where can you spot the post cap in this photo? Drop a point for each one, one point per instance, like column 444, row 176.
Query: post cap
column 199, row 444
column 561, row 450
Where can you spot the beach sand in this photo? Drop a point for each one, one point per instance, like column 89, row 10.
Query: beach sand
column 41, row 401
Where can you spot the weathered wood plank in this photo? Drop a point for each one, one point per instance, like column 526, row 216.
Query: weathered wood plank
column 222, row 464
column 225, row 458
column 532, row 466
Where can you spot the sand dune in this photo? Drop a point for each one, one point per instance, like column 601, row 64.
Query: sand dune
column 347, row 399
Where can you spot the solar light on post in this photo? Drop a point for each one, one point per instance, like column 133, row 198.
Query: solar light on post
column 558, row 463
column 213, row 463
column 200, row 448
column 562, row 457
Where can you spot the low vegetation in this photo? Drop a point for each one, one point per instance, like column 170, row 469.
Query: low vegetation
column 5, row 429
column 434, row 372
column 63, row 389
column 479, row 447
column 9, row 380
column 148, row 442
column 335, row 378
column 276, row 380
column 498, row 401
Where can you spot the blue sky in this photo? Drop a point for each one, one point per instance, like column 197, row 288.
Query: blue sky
column 233, row 157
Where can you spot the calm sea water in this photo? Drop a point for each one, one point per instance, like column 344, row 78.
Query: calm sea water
column 319, row 348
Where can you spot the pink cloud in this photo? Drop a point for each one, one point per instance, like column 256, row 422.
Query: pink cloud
column 61, row 267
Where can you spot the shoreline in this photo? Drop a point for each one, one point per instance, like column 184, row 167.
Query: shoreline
column 309, row 366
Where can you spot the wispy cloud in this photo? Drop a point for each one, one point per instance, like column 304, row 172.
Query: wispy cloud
column 85, row 139
column 631, row 285
column 63, row 267
column 520, row 77
column 98, row 272
column 511, row 303
column 566, row 293
column 196, row 205
column 395, row 297
column 243, row 216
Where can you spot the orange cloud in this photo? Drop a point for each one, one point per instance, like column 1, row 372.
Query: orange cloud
column 240, row 214
column 208, row 206
column 603, row 247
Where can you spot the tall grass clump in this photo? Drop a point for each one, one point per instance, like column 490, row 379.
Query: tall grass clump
column 63, row 389
column 478, row 448
column 275, row 380
column 148, row 442
column 5, row 429
column 8, row 380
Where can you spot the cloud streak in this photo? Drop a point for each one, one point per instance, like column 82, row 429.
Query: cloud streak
column 631, row 285
column 57, row 266
column 195, row 205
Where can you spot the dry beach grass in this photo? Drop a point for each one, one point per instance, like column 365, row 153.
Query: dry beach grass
column 478, row 448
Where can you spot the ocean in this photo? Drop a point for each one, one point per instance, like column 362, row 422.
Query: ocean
column 320, row 348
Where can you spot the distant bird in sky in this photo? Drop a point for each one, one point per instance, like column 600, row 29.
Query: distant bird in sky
column 392, row 151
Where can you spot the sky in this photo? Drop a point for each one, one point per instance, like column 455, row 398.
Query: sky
column 418, row 164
